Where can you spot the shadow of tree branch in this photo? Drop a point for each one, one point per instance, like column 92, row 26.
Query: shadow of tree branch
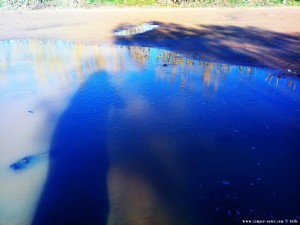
column 249, row 46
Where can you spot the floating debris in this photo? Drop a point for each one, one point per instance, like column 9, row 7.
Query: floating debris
column 23, row 163
column 237, row 212
column 229, row 213
column 28, row 161
column 30, row 111
column 253, row 148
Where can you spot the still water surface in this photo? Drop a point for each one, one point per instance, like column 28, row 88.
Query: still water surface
column 94, row 134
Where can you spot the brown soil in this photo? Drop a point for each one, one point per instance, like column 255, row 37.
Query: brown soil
column 267, row 37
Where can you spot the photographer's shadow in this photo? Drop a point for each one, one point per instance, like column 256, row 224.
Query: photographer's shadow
column 75, row 192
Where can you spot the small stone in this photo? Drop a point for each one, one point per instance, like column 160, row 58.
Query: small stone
column 225, row 182
column 165, row 65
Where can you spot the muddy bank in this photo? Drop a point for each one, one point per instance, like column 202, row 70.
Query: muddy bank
column 266, row 37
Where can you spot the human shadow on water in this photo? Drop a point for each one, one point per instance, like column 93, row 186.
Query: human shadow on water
column 76, row 188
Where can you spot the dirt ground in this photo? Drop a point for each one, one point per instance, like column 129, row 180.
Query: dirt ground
column 266, row 37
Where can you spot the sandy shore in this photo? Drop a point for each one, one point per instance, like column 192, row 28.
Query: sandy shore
column 267, row 37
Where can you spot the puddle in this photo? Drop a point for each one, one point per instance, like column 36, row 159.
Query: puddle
column 143, row 136
column 141, row 28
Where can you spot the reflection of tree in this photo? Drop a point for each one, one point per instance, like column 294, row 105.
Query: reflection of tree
column 59, row 61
